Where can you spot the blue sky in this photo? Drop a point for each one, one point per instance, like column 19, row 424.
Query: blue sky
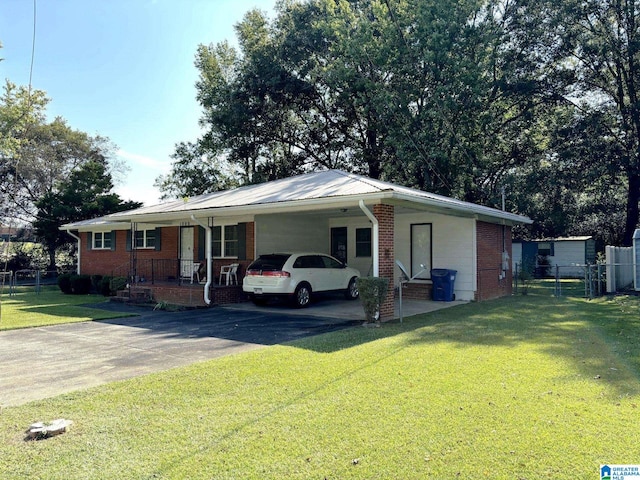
column 122, row 69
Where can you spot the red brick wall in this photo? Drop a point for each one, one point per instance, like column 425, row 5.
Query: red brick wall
column 386, row 224
column 106, row 262
column 489, row 253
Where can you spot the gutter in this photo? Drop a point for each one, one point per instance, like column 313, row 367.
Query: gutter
column 79, row 249
column 376, row 237
column 208, row 256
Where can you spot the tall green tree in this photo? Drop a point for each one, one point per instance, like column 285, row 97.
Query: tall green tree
column 587, row 53
column 85, row 193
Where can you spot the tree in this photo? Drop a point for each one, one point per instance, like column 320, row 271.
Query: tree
column 591, row 48
column 46, row 154
column 411, row 91
column 85, row 194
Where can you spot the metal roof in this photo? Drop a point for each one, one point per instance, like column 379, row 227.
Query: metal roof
column 312, row 189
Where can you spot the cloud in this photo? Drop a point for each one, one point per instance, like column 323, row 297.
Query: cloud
column 142, row 160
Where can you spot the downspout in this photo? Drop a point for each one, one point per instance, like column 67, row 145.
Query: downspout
column 374, row 221
column 208, row 251
column 79, row 248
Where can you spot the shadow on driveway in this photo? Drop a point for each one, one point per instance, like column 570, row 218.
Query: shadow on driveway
column 48, row 361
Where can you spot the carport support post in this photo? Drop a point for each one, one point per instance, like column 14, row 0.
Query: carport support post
column 386, row 222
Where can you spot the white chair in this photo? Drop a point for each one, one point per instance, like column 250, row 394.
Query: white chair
column 230, row 272
column 195, row 272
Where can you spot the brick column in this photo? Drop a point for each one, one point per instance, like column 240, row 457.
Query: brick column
column 386, row 223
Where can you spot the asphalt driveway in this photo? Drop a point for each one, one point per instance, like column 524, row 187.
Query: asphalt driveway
column 47, row 361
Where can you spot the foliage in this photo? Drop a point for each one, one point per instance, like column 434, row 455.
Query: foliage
column 23, row 256
column 80, row 284
column 64, row 283
column 109, row 285
column 458, row 98
column 71, row 283
column 86, row 193
column 484, row 390
column 373, row 291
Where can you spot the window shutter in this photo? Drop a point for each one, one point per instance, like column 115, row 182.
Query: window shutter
column 113, row 239
column 158, row 237
column 242, row 241
column 552, row 252
column 128, row 240
column 201, row 242
column 89, row 240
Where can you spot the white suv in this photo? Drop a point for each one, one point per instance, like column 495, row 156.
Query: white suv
column 298, row 276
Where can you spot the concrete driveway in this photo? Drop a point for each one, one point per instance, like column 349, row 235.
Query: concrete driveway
column 47, row 361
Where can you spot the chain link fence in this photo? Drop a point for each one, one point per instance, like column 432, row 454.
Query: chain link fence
column 587, row 281
column 28, row 278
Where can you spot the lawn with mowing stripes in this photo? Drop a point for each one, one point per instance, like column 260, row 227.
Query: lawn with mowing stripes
column 526, row 387
column 26, row 308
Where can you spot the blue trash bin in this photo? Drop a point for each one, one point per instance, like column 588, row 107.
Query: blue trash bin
column 443, row 282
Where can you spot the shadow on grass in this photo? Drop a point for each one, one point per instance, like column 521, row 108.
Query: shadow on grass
column 601, row 338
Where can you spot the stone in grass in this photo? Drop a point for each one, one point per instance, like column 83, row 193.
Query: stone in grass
column 40, row 430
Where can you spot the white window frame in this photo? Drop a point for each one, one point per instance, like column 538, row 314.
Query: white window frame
column 145, row 239
column 223, row 240
column 103, row 236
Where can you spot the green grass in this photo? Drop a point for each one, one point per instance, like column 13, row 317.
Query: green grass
column 50, row 307
column 527, row 387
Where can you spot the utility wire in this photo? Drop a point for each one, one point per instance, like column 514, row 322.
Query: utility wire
column 15, row 173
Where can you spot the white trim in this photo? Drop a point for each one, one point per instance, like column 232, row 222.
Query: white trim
column 208, row 256
column 375, row 237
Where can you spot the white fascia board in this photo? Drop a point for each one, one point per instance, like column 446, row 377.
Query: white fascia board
column 466, row 209
column 248, row 211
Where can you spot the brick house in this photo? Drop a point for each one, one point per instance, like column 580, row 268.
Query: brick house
column 367, row 223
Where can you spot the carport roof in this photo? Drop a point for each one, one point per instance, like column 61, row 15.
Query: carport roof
column 310, row 191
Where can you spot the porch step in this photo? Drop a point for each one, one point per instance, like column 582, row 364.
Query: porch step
column 134, row 295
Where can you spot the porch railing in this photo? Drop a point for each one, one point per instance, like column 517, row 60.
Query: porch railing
column 156, row 270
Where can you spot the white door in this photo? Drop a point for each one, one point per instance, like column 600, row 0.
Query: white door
column 186, row 252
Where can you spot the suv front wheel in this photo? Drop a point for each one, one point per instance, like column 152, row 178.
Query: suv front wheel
column 302, row 296
column 351, row 293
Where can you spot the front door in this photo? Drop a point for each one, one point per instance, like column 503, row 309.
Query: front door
column 186, row 252
column 339, row 243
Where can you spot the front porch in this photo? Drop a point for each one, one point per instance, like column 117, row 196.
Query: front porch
column 180, row 282
column 185, row 295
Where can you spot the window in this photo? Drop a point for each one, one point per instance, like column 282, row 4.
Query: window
column 225, row 241
column 363, row 242
column 421, row 250
column 545, row 249
column 102, row 241
column 145, row 239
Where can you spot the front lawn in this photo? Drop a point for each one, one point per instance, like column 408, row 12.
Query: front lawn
column 50, row 307
column 526, row 387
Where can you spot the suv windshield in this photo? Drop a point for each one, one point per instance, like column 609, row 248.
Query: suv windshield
column 268, row 263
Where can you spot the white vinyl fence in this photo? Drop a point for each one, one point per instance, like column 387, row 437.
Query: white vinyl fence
column 619, row 264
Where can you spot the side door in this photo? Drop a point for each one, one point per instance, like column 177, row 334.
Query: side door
column 309, row 268
column 334, row 274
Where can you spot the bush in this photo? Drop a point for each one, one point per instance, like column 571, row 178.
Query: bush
column 118, row 283
column 109, row 286
column 373, row 291
column 96, row 282
column 104, row 288
column 64, row 283
column 81, row 284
